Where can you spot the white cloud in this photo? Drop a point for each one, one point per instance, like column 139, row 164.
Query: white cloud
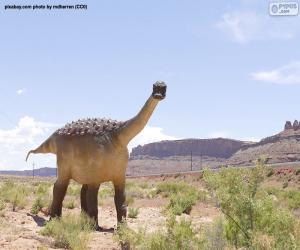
column 246, row 26
column 16, row 142
column 149, row 134
column 241, row 25
column 287, row 74
column 20, row 91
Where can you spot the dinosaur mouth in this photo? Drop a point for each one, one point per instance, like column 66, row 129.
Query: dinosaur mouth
column 159, row 90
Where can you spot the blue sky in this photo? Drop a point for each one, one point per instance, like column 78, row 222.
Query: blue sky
column 232, row 70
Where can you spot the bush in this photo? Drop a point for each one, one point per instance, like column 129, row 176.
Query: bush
column 16, row 194
column 182, row 196
column 133, row 212
column 288, row 198
column 270, row 173
column 106, row 191
column 249, row 211
column 292, row 198
column 168, row 188
column 298, row 171
column 69, row 203
column 129, row 200
column 2, row 205
column 144, row 185
column 74, row 190
column 43, row 188
column 71, row 232
column 178, row 236
column 182, row 203
column 37, row 205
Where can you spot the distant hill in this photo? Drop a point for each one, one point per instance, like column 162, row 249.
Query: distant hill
column 218, row 147
column 175, row 156
column 37, row 172
column 279, row 148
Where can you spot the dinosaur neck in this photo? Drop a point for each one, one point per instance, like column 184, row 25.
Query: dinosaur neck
column 135, row 125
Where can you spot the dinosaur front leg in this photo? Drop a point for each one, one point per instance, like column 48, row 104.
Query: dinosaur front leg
column 59, row 192
column 83, row 200
column 92, row 204
column 120, row 198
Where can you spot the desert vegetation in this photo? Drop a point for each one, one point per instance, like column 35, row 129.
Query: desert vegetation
column 227, row 209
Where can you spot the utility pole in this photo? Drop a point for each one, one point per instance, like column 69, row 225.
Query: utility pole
column 191, row 160
column 201, row 160
column 33, row 170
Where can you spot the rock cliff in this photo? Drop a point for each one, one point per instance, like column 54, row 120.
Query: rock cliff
column 281, row 147
column 219, row 148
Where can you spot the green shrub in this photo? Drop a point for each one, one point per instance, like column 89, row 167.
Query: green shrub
column 285, row 184
column 129, row 200
column 43, row 188
column 71, row 231
column 249, row 211
column 270, row 173
column 287, row 198
column 74, row 190
column 106, row 191
column 151, row 193
column 133, row 212
column 168, row 188
column 272, row 190
column 2, row 205
column 182, row 203
column 182, row 196
column 37, row 205
column 292, row 198
column 69, row 203
column 16, row 194
column 144, row 185
column 298, row 171
column 139, row 190
column 178, row 236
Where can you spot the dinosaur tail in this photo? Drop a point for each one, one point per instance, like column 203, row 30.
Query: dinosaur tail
column 46, row 147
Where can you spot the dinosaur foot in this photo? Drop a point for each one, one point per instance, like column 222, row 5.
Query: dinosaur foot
column 103, row 229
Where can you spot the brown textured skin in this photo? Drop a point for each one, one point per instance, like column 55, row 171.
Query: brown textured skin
column 91, row 158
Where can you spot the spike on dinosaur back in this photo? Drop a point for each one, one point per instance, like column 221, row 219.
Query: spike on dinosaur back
column 95, row 126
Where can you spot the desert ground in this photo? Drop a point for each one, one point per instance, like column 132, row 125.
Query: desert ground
column 153, row 213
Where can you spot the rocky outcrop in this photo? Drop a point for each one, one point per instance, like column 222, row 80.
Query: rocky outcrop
column 296, row 125
column 288, row 125
column 219, row 147
column 281, row 147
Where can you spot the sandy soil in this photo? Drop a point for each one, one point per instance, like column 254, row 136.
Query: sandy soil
column 20, row 229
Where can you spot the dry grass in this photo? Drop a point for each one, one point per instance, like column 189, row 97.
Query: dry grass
column 179, row 194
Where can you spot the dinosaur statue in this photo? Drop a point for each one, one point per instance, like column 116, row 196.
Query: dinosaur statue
column 93, row 151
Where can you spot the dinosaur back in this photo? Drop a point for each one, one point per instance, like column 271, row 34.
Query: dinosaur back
column 95, row 126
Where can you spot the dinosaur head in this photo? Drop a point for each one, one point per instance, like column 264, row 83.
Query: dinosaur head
column 159, row 90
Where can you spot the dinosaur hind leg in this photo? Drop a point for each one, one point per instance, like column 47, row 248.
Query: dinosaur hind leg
column 120, row 199
column 92, row 204
column 83, row 200
column 59, row 192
